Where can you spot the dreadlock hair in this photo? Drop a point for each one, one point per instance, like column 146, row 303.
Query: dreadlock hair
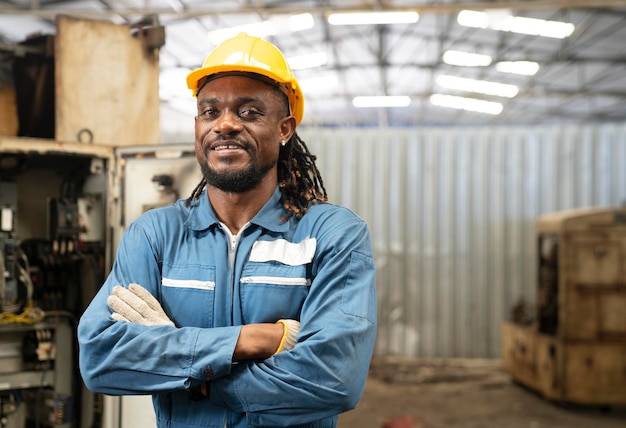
column 299, row 180
column 195, row 193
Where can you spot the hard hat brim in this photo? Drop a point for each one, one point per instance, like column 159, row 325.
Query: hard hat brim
column 291, row 89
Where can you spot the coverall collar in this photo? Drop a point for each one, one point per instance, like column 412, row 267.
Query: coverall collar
column 202, row 216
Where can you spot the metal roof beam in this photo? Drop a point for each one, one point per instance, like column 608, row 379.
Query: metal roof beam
column 49, row 13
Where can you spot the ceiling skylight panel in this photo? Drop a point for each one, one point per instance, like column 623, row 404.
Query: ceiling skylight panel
column 468, row 104
column 503, row 20
column 478, row 86
column 275, row 25
column 466, row 59
column 524, row 68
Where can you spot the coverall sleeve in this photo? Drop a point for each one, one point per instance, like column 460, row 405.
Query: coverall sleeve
column 122, row 358
column 325, row 373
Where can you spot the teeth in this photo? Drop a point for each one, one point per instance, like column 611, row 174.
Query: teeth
column 225, row 147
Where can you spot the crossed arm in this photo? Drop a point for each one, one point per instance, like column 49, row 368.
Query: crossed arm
column 256, row 341
column 322, row 376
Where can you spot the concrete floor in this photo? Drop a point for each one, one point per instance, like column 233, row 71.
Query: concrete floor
column 462, row 393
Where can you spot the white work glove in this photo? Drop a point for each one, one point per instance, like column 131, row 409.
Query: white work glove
column 291, row 329
column 137, row 305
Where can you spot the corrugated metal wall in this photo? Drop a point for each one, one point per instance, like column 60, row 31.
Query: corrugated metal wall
column 452, row 213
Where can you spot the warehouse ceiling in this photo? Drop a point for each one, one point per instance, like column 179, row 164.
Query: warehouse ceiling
column 580, row 78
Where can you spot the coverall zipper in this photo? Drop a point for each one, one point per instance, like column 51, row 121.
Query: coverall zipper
column 233, row 241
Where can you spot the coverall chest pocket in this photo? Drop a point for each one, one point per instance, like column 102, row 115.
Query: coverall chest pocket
column 189, row 294
column 271, row 291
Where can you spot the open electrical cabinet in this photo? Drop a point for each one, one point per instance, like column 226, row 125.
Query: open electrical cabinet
column 70, row 182
column 64, row 209
column 53, row 253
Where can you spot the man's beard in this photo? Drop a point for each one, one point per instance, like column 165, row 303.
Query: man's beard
column 237, row 181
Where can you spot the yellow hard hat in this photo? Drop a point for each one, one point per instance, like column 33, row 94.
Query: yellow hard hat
column 248, row 54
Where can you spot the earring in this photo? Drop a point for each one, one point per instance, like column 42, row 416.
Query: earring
column 283, row 142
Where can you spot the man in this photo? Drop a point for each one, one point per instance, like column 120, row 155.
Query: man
column 253, row 302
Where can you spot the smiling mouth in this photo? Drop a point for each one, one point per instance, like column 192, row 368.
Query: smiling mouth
column 219, row 146
column 227, row 147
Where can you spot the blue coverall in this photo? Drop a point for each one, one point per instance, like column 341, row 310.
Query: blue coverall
column 318, row 270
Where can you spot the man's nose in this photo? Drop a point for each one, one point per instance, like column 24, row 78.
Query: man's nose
column 227, row 123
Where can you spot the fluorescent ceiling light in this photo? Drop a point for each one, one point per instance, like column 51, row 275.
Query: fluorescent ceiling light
column 319, row 83
column 295, row 23
column 313, row 60
column 466, row 59
column 524, row 68
column 381, row 101
column 364, row 18
column 479, row 86
column 538, row 27
column 469, row 104
column 502, row 20
column 278, row 24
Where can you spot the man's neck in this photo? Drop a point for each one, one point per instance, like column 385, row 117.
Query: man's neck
column 237, row 209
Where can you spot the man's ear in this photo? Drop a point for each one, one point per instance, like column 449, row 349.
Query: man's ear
column 287, row 127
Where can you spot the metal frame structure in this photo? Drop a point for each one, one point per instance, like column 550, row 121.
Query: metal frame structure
column 581, row 78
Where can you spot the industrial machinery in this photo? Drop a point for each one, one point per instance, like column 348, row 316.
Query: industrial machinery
column 62, row 118
column 52, row 249
column 62, row 216
column 573, row 350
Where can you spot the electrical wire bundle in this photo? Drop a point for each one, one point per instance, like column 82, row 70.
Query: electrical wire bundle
column 31, row 314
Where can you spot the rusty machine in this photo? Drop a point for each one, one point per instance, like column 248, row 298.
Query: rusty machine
column 574, row 348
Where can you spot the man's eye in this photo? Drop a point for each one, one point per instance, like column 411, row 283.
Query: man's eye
column 209, row 112
column 248, row 113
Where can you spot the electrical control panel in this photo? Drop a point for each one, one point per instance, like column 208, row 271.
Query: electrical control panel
column 53, row 250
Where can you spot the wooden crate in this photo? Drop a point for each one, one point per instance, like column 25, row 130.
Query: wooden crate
column 591, row 289
column 578, row 372
column 107, row 84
